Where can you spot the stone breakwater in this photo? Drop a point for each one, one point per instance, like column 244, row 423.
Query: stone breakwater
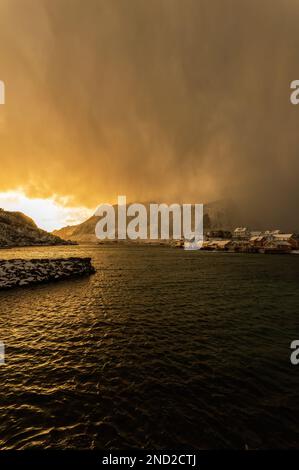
column 23, row 272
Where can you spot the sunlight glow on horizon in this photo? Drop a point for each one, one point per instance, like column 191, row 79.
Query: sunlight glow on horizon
column 49, row 214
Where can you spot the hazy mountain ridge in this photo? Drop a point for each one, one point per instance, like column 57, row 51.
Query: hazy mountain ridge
column 84, row 232
column 16, row 229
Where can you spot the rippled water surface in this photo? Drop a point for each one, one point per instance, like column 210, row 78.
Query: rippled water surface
column 161, row 347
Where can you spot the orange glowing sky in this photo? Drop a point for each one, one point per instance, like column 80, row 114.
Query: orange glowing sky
column 158, row 100
column 48, row 213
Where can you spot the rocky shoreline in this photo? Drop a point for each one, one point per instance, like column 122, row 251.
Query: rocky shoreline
column 24, row 272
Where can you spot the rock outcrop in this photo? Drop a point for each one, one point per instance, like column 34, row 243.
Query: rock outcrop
column 16, row 229
column 21, row 272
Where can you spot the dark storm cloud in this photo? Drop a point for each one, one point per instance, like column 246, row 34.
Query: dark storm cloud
column 169, row 99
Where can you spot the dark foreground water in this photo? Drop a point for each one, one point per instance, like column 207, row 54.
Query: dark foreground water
column 161, row 348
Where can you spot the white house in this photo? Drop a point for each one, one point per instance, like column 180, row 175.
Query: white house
column 241, row 233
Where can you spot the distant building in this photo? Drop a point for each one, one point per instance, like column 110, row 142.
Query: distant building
column 224, row 245
column 241, row 233
column 290, row 238
column 277, row 246
column 219, row 245
column 244, row 246
column 256, row 234
column 270, row 234
column 258, row 241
